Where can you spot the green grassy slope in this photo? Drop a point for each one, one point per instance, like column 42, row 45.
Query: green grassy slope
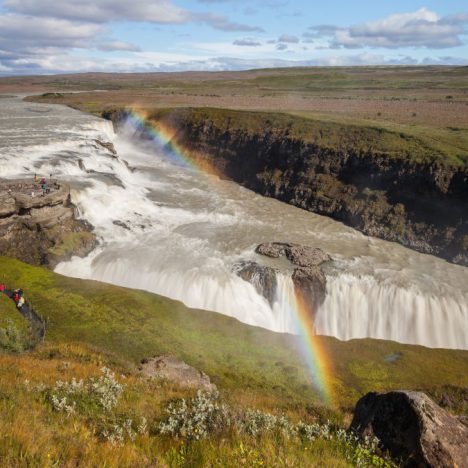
column 248, row 362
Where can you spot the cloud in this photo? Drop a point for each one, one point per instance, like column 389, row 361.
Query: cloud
column 27, row 33
column 118, row 46
column 223, row 23
column 422, row 28
column 102, row 11
column 246, row 42
column 288, row 38
column 281, row 46
column 105, row 11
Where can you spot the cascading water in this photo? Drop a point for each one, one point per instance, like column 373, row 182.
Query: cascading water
column 178, row 232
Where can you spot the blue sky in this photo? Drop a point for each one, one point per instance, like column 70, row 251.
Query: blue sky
column 60, row 36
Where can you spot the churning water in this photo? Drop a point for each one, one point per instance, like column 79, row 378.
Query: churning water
column 178, row 232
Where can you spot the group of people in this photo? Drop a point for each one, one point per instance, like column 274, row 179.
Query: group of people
column 17, row 295
column 43, row 184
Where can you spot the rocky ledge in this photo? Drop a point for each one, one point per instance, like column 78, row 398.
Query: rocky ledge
column 309, row 280
column 41, row 229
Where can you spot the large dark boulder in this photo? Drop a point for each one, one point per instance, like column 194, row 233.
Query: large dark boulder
column 261, row 277
column 310, row 286
column 413, row 428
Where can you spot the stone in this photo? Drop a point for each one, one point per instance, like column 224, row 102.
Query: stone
column 310, row 285
column 299, row 255
column 170, row 368
column 107, row 145
column 413, row 428
column 261, row 277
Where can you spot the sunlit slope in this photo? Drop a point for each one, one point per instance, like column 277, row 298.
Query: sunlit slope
column 249, row 363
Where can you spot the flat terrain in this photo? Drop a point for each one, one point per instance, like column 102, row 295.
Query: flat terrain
column 427, row 102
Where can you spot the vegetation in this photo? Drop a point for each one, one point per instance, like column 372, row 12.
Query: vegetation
column 78, row 398
column 325, row 134
column 425, row 104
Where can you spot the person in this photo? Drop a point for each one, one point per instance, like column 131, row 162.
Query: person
column 16, row 296
column 20, row 302
column 2, row 287
column 36, row 178
column 20, row 292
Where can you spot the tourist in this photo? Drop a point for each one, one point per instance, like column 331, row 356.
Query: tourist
column 2, row 287
column 16, row 296
column 20, row 302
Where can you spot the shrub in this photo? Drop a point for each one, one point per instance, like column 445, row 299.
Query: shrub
column 196, row 418
column 95, row 393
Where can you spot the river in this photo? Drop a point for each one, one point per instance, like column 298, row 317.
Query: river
column 173, row 230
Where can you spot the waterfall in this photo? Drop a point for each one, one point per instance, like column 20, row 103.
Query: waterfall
column 178, row 232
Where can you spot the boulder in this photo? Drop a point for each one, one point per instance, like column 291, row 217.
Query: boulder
column 413, row 428
column 300, row 255
column 261, row 277
column 107, row 145
column 310, row 285
column 170, row 368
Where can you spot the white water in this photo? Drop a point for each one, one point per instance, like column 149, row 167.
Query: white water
column 185, row 230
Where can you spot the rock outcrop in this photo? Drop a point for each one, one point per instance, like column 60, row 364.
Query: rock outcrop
column 413, row 428
column 41, row 229
column 263, row 278
column 309, row 280
column 397, row 191
column 170, row 368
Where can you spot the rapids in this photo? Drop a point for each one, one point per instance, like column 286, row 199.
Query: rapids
column 173, row 230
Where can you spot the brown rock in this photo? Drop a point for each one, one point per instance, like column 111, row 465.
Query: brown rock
column 170, row 368
column 300, row 255
column 310, row 285
column 413, row 428
column 261, row 277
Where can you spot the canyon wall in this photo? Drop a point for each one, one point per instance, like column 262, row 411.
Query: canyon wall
column 385, row 184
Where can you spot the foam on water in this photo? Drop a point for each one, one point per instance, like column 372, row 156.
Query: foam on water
column 176, row 232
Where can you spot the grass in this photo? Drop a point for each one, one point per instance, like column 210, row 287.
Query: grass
column 91, row 324
column 424, row 104
column 71, row 243
column 363, row 139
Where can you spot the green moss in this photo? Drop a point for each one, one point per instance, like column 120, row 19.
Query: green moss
column 71, row 243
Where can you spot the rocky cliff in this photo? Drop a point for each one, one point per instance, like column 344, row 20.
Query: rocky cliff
column 41, row 230
column 383, row 183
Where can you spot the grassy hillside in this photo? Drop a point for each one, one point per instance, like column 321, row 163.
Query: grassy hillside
column 90, row 324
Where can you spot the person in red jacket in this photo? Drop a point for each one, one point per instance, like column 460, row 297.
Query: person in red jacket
column 2, row 287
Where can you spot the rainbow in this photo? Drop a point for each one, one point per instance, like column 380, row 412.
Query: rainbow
column 163, row 136
column 314, row 353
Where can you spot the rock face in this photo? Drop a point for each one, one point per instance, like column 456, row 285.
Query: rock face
column 41, row 230
column 309, row 280
column 419, row 204
column 263, row 278
column 170, row 368
column 412, row 427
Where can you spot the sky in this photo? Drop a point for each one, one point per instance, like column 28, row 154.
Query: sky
column 65, row 36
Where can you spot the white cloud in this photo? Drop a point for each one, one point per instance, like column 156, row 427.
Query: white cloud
column 422, row 28
column 29, row 33
column 102, row 11
column 118, row 46
column 288, row 38
column 105, row 11
column 246, row 42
